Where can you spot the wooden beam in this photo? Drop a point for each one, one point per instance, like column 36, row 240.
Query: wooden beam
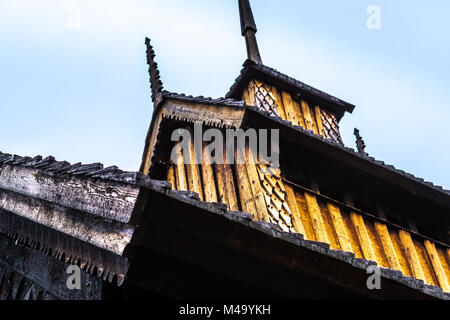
column 180, row 172
column 279, row 103
column 411, row 255
column 80, row 225
column 171, row 176
column 251, row 93
column 226, row 184
column 388, row 247
column 316, row 218
column 319, row 120
column 209, row 183
column 245, row 191
column 289, row 108
column 192, row 170
column 108, row 199
column 339, row 227
column 296, row 216
column 309, row 120
column 363, row 236
column 437, row 266
column 299, row 113
column 258, row 193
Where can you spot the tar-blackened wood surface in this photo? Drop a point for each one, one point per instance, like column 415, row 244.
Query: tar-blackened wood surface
column 43, row 272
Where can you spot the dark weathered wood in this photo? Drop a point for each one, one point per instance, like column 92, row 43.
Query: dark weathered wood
column 108, row 199
column 256, row 254
column 62, row 246
column 46, row 272
column 106, row 234
column 223, row 117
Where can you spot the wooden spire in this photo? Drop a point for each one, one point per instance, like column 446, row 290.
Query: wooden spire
column 249, row 30
column 155, row 80
column 360, row 144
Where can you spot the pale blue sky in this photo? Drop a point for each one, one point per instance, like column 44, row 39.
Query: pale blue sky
column 83, row 94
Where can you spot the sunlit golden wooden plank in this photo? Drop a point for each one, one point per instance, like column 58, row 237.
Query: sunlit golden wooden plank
column 339, row 227
column 171, row 176
column 411, row 255
column 388, row 247
column 289, row 108
column 209, row 183
column 309, row 120
column 437, row 266
column 363, row 236
column 319, row 121
column 299, row 113
column 244, row 187
column 193, row 172
column 180, row 172
column 316, row 218
column 279, row 103
column 255, row 184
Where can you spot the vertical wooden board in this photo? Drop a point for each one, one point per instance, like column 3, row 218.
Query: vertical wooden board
column 171, row 176
column 329, row 227
column 411, row 255
column 226, row 184
column 444, row 263
column 258, row 193
column 309, row 122
column 193, row 171
column 352, row 235
column 437, row 265
column 289, row 108
column 363, row 236
column 377, row 246
column 388, row 248
column 427, row 267
column 252, row 93
column 319, row 121
column 314, row 120
column 244, row 187
column 316, row 218
column 299, row 113
column 245, row 193
column 209, row 183
column 339, row 227
column 221, row 185
column 296, row 216
column 180, row 172
column 305, row 217
column 230, row 186
column 279, row 103
column 400, row 253
column 246, row 97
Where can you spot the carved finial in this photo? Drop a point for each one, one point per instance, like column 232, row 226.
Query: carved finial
column 360, row 145
column 248, row 28
column 155, row 81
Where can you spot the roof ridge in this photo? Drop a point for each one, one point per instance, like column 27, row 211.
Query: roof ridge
column 204, row 100
column 352, row 151
column 52, row 166
column 248, row 64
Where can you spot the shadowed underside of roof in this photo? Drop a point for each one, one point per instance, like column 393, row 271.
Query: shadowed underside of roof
column 60, row 172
